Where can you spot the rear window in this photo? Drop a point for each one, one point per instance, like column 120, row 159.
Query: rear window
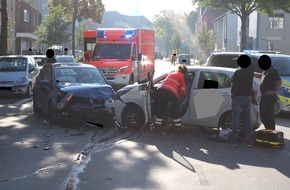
column 13, row 64
column 223, row 61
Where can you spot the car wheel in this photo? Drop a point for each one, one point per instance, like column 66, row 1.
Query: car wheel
column 36, row 109
column 277, row 107
column 226, row 121
column 28, row 92
column 132, row 116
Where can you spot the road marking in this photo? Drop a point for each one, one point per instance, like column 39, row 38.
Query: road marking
column 22, row 101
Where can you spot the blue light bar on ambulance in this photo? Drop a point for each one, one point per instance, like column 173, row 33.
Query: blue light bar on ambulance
column 129, row 33
column 101, row 34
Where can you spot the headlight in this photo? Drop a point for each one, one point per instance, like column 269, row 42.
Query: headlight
column 64, row 101
column 22, row 80
column 124, row 90
column 123, row 69
column 120, row 93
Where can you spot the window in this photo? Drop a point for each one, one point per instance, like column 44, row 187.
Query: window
column 33, row 20
column 26, row 16
column 223, row 80
column 276, row 21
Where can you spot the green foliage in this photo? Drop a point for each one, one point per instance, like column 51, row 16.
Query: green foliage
column 78, row 10
column 53, row 31
column 206, row 40
column 174, row 29
column 175, row 42
column 243, row 8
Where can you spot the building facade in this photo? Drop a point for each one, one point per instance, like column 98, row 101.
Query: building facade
column 264, row 32
column 28, row 16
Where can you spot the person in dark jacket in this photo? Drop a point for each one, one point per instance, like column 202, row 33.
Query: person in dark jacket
column 168, row 92
column 270, row 84
column 241, row 93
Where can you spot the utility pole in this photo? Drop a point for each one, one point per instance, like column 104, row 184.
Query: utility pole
column 4, row 25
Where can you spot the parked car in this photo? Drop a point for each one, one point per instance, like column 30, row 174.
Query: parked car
column 280, row 61
column 65, row 59
column 183, row 59
column 75, row 92
column 39, row 59
column 207, row 106
column 18, row 74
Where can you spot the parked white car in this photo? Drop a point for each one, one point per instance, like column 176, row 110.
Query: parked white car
column 18, row 74
column 206, row 105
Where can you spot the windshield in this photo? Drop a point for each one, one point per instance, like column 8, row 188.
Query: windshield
column 13, row 64
column 282, row 64
column 65, row 59
column 112, row 51
column 78, row 75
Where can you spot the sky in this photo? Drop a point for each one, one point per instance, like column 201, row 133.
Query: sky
column 147, row 8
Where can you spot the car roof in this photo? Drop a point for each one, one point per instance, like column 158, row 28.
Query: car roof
column 202, row 68
column 269, row 54
column 64, row 56
column 15, row 56
column 228, row 53
column 57, row 65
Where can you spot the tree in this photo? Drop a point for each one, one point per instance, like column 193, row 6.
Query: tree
column 164, row 26
column 4, row 26
column 243, row 8
column 78, row 10
column 175, row 43
column 206, row 40
column 53, row 30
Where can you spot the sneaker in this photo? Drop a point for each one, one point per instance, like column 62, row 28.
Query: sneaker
column 232, row 144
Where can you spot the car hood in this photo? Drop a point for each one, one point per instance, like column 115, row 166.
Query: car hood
column 11, row 76
column 93, row 91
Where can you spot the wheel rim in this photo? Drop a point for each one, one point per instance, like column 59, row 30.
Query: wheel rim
column 133, row 117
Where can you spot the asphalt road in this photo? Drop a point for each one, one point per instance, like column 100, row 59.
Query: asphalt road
column 68, row 156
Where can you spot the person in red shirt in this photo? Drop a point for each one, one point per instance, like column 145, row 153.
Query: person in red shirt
column 168, row 92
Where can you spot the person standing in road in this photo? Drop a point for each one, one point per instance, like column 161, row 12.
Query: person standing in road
column 270, row 84
column 168, row 92
column 49, row 57
column 241, row 92
column 173, row 59
column 30, row 52
column 65, row 51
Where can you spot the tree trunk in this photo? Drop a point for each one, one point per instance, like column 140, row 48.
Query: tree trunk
column 4, row 25
column 74, row 29
column 244, row 32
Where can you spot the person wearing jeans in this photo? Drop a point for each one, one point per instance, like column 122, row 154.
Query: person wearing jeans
column 241, row 94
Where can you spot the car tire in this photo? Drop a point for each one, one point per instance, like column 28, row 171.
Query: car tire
column 36, row 109
column 132, row 116
column 226, row 121
column 28, row 92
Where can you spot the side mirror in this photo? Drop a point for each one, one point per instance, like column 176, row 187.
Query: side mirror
column 111, row 82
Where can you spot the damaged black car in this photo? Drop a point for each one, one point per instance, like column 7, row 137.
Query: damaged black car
column 73, row 92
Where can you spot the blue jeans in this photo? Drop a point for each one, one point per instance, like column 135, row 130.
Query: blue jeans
column 241, row 103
